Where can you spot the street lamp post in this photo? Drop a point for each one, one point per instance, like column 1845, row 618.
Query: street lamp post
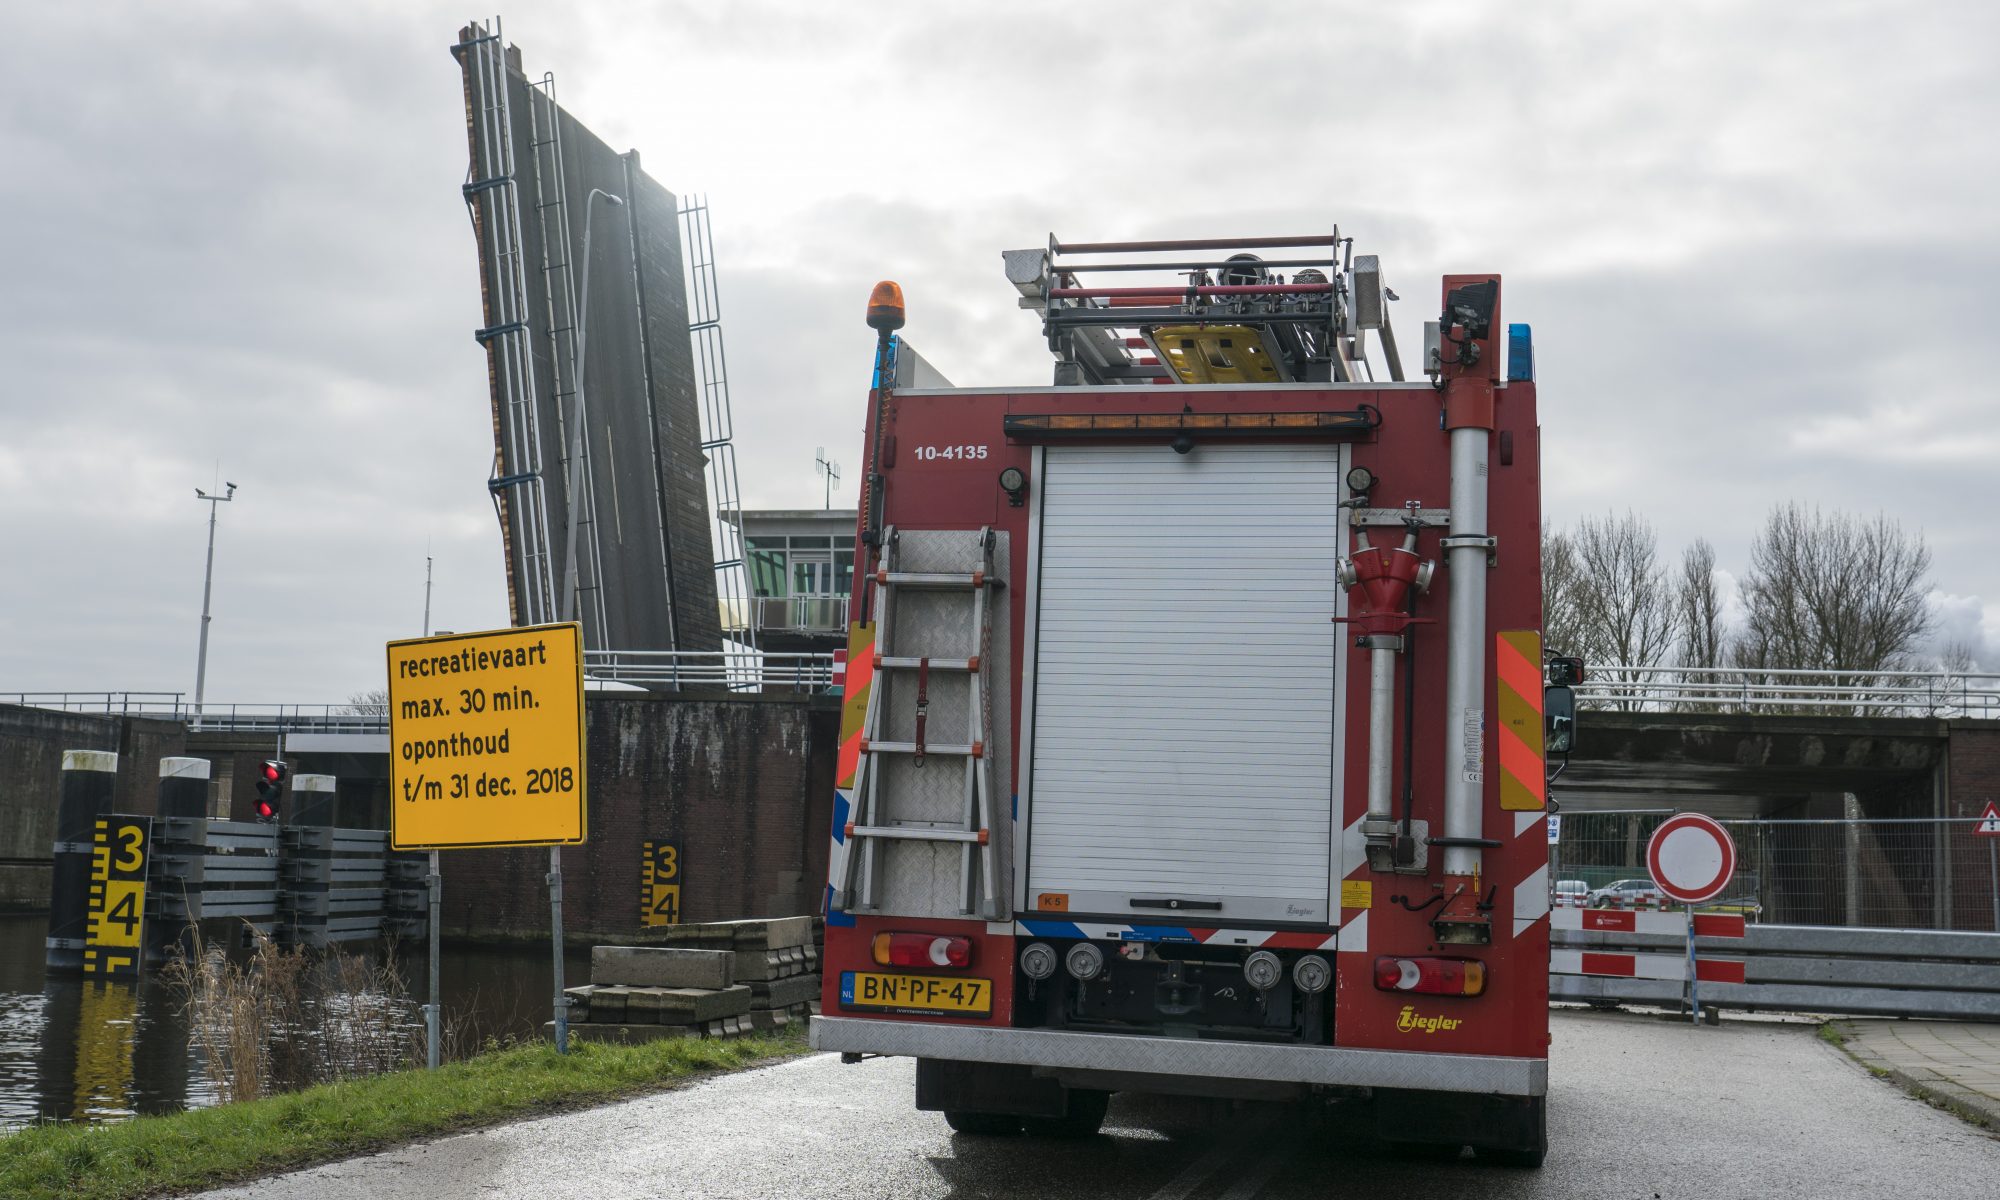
column 207, row 588
column 576, row 422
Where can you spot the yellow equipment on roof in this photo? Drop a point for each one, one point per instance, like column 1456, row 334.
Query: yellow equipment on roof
column 1215, row 353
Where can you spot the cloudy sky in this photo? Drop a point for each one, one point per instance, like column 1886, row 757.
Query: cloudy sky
column 1757, row 244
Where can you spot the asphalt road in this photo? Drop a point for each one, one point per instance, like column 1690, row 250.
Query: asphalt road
column 1639, row 1107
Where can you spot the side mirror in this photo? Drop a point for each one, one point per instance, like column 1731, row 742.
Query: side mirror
column 1559, row 709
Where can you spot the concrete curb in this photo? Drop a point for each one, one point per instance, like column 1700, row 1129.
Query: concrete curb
column 1967, row 1105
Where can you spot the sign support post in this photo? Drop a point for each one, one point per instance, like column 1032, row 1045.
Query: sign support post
column 1694, row 974
column 431, row 1010
column 555, row 923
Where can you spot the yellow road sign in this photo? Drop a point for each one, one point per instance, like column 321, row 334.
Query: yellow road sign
column 486, row 739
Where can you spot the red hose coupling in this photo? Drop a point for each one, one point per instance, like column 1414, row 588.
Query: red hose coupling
column 1379, row 578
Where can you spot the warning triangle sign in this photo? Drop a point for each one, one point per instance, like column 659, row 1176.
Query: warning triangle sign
column 1989, row 821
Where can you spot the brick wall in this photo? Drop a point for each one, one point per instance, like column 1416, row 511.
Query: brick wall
column 32, row 741
column 743, row 784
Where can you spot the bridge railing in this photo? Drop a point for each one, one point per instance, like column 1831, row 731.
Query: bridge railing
column 1780, row 691
column 745, row 671
column 166, row 706
column 731, row 670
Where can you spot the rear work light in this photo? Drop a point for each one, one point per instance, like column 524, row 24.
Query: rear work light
column 1431, row 976
column 922, row 950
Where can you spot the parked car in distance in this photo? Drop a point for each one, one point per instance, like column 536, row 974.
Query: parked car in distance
column 1626, row 893
column 1569, row 893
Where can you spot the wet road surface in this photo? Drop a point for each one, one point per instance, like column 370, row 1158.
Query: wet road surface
column 1639, row 1107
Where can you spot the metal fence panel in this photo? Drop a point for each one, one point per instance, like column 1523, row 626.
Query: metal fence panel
column 1902, row 873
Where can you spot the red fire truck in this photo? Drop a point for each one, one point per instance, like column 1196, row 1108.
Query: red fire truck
column 1193, row 740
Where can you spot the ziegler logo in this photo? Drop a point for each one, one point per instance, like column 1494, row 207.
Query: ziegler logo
column 1412, row 1021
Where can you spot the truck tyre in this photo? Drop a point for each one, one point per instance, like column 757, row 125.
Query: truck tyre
column 982, row 1124
column 1425, row 1151
column 1083, row 1117
column 1526, row 1160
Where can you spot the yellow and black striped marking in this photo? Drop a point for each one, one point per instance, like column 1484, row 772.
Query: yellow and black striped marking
column 660, row 884
column 1517, row 685
column 117, row 898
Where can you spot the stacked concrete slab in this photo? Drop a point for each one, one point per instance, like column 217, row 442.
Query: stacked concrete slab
column 717, row 979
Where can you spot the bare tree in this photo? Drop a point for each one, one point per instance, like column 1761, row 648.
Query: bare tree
column 1956, row 668
column 1606, row 596
column 1698, row 605
column 1956, row 658
column 1834, row 592
column 372, row 703
column 1562, row 603
column 1628, row 607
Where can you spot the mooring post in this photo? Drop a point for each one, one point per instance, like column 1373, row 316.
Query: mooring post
column 180, row 851
column 305, row 879
column 88, row 777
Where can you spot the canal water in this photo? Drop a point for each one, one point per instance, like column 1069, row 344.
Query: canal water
column 72, row 1050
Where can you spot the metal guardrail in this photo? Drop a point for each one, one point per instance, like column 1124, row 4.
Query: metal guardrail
column 1796, row 968
column 164, row 705
column 1780, row 691
column 736, row 671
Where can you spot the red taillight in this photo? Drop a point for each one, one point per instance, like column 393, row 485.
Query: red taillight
column 922, row 950
column 1432, row 976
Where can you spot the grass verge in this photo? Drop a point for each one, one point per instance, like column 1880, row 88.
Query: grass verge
column 212, row 1146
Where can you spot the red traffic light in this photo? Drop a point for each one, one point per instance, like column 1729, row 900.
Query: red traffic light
column 271, row 787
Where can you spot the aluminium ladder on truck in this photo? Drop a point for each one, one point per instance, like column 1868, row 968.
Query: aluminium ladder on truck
column 970, row 593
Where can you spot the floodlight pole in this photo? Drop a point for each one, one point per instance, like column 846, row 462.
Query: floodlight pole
column 207, row 589
column 561, row 999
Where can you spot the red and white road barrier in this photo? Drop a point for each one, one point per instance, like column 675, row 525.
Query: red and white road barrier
column 1644, row 966
column 1722, row 925
column 1654, row 902
column 840, row 669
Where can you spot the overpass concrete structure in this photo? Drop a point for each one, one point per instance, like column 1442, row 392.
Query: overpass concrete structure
column 1764, row 765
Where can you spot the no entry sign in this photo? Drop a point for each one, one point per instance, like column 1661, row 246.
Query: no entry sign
column 1691, row 858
